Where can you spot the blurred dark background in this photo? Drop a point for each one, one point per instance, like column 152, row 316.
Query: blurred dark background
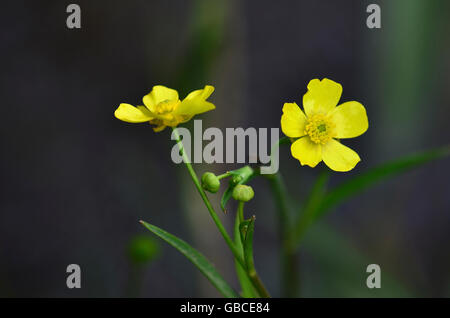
column 75, row 181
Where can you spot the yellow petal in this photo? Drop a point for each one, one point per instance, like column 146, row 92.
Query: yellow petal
column 321, row 97
column 144, row 110
column 293, row 120
column 339, row 157
column 159, row 94
column 307, row 152
column 195, row 103
column 350, row 119
column 202, row 93
column 131, row 114
column 194, row 107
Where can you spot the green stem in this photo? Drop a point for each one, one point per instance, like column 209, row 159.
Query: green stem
column 309, row 213
column 258, row 284
column 206, row 200
column 134, row 286
column 224, row 175
column 248, row 256
column 254, row 279
column 280, row 194
column 289, row 280
column 241, row 211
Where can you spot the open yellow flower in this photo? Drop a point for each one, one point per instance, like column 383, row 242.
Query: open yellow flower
column 320, row 127
column 163, row 107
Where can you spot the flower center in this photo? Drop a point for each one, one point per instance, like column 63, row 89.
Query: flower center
column 166, row 106
column 319, row 129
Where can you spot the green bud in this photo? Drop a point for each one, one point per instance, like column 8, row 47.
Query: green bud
column 210, row 182
column 142, row 249
column 243, row 193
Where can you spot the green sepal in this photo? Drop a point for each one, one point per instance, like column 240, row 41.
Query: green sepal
column 239, row 176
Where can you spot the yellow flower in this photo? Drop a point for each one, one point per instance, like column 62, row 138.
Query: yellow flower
column 322, row 125
column 163, row 107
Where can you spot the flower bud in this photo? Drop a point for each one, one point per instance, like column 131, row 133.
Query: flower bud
column 243, row 193
column 210, row 182
column 142, row 249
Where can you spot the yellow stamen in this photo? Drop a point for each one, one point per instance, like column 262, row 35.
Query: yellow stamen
column 319, row 129
column 166, row 106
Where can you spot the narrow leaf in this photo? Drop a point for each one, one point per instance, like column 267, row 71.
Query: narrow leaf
column 311, row 207
column 248, row 291
column 243, row 229
column 248, row 244
column 248, row 256
column 226, row 196
column 374, row 175
column 196, row 258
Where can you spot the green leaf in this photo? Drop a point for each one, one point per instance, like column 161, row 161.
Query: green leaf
column 248, row 291
column 320, row 203
column 374, row 175
column 226, row 196
column 243, row 227
column 196, row 258
column 248, row 244
column 249, row 262
column 311, row 206
column 339, row 268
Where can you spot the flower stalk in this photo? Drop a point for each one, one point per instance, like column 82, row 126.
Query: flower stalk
column 248, row 252
column 289, row 261
column 211, row 211
column 254, row 278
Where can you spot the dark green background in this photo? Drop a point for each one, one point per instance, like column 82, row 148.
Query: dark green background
column 75, row 181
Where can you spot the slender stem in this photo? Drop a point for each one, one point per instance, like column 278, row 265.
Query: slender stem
column 288, row 257
column 206, row 200
column 248, row 256
column 280, row 195
column 241, row 211
column 223, row 175
column 309, row 213
column 134, row 286
column 254, row 278
column 258, row 284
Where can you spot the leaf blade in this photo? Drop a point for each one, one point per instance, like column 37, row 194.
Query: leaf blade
column 226, row 196
column 248, row 244
column 374, row 175
column 248, row 291
column 196, row 258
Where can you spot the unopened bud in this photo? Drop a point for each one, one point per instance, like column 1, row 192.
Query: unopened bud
column 142, row 249
column 243, row 193
column 210, row 182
